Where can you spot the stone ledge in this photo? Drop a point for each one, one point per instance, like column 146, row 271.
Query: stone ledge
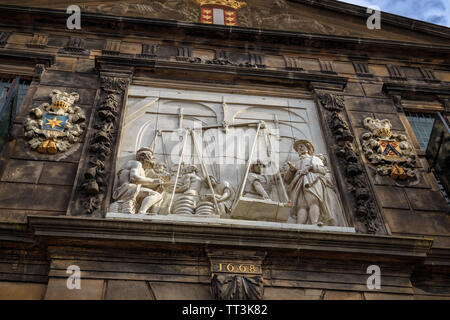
column 235, row 235
column 213, row 221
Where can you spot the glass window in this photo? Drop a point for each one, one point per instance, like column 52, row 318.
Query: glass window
column 422, row 125
column 9, row 107
column 5, row 83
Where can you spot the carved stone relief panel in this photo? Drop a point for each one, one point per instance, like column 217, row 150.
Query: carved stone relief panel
column 225, row 156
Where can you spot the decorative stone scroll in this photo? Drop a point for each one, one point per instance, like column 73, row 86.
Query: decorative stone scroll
column 4, row 36
column 236, row 274
column 237, row 287
column 362, row 196
column 57, row 127
column 389, row 152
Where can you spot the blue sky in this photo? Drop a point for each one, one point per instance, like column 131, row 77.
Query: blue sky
column 433, row 11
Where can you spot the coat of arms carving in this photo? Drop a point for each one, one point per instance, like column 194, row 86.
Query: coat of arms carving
column 389, row 152
column 220, row 11
column 55, row 128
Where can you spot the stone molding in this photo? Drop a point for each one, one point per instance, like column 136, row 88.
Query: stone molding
column 172, row 233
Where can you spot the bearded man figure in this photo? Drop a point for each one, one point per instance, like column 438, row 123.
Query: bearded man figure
column 314, row 200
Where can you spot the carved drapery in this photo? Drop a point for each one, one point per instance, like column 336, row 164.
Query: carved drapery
column 93, row 187
column 237, row 287
column 236, row 274
column 364, row 205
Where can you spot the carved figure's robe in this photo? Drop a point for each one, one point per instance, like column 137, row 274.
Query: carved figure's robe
column 317, row 183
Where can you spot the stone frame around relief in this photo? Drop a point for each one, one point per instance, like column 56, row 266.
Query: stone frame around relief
column 224, row 116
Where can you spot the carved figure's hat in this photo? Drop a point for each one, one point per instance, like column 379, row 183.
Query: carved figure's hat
column 308, row 144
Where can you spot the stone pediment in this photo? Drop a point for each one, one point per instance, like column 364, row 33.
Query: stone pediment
column 327, row 17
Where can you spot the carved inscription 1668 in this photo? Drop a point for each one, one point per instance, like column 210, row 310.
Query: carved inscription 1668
column 236, row 268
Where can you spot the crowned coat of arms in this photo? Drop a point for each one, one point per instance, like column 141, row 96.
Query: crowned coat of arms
column 55, row 128
column 222, row 12
column 389, row 152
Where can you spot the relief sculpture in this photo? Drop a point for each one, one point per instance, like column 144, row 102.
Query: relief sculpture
column 136, row 192
column 279, row 14
column 146, row 187
column 211, row 171
column 312, row 190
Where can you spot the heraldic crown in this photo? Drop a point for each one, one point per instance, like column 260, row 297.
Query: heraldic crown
column 235, row 4
column 55, row 128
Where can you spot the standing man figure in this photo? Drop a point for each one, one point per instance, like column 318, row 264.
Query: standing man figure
column 313, row 198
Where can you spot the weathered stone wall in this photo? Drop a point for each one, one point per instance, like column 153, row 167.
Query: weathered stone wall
column 372, row 80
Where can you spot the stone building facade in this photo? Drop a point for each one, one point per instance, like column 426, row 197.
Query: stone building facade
column 108, row 169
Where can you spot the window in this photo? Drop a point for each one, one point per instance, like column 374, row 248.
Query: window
column 422, row 125
column 12, row 92
column 5, row 83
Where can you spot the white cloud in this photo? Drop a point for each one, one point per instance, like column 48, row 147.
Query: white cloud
column 433, row 11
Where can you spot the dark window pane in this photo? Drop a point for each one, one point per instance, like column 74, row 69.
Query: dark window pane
column 422, row 124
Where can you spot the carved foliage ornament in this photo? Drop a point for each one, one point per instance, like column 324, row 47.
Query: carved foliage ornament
column 389, row 152
column 55, row 128
column 365, row 208
column 237, row 287
column 102, row 143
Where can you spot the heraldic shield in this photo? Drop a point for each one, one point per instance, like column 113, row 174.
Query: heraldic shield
column 389, row 152
column 55, row 128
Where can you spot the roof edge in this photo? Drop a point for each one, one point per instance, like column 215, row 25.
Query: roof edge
column 389, row 18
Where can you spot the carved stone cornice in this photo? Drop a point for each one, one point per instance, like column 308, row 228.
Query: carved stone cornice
column 226, row 69
column 363, row 204
column 408, row 90
column 137, row 233
column 132, row 25
column 37, row 58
